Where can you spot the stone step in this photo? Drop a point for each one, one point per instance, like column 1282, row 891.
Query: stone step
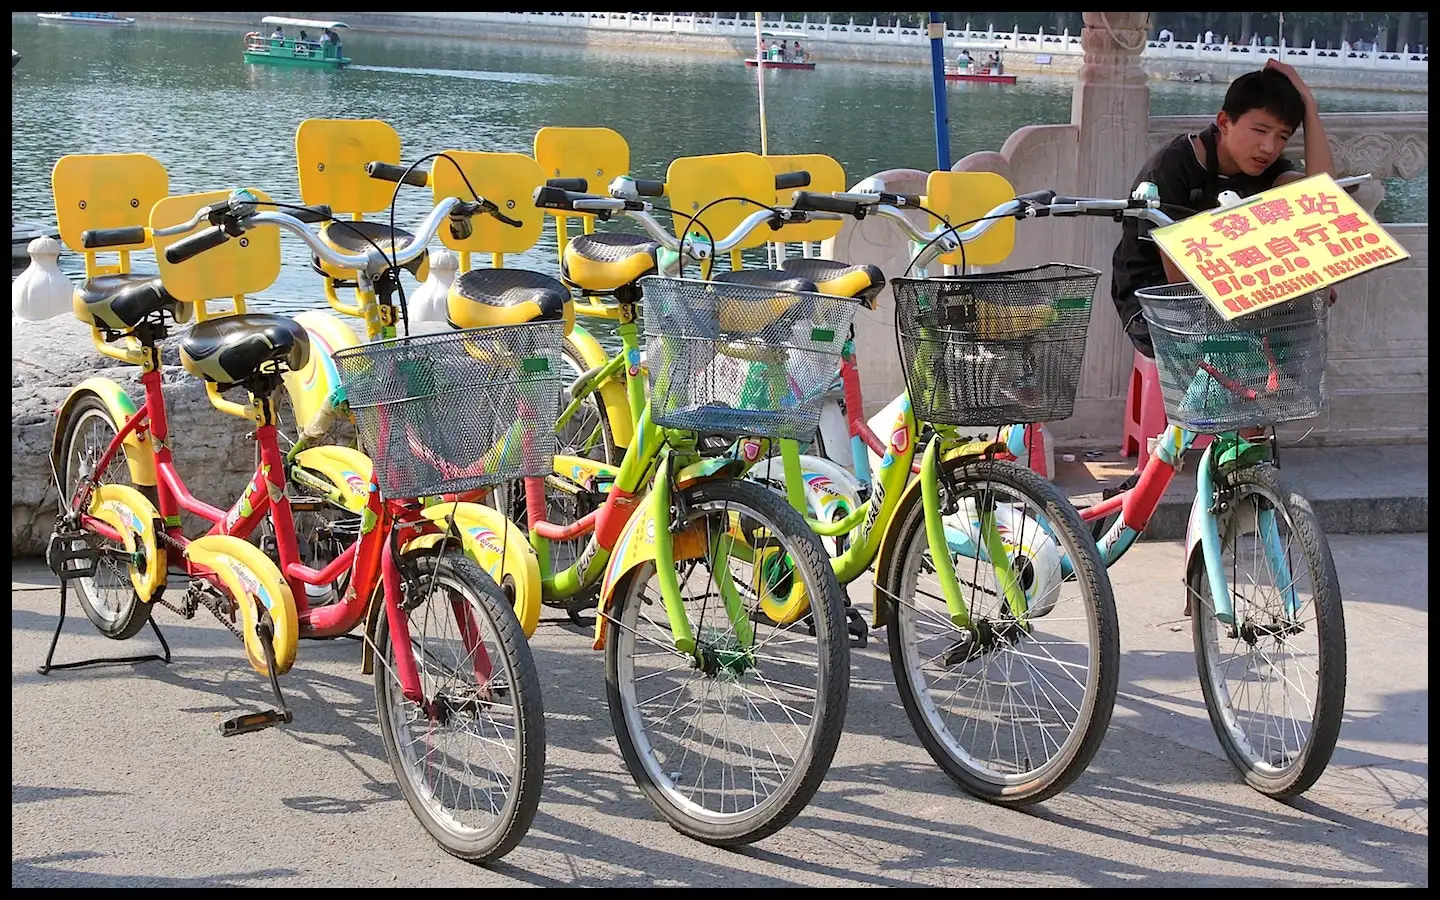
column 1380, row 489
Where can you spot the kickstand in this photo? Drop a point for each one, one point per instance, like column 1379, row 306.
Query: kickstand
column 117, row 660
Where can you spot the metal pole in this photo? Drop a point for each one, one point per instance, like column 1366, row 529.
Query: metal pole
column 760, row 78
column 942, row 114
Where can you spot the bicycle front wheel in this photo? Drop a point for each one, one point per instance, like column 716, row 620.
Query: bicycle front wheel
column 1012, row 708
column 730, row 742
column 1274, row 678
column 470, row 765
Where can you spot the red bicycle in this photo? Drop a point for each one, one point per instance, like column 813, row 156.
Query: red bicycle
column 456, row 689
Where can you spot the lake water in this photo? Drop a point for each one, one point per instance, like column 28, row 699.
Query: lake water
column 182, row 94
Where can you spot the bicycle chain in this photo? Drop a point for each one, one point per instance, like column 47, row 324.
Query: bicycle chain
column 195, row 597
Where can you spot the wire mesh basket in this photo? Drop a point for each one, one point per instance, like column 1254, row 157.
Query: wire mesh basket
column 741, row 359
column 997, row 348
column 1262, row 368
column 455, row 411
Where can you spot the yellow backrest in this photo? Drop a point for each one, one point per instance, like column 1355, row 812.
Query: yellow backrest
column 331, row 155
column 509, row 181
column 244, row 265
column 826, row 176
column 599, row 155
column 692, row 182
column 106, row 190
column 962, row 196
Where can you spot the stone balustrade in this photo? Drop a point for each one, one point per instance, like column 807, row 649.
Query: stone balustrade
column 1064, row 43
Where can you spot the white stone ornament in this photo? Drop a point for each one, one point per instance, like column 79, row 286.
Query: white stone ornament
column 42, row 291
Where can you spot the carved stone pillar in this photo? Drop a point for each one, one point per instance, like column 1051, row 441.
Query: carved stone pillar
column 1110, row 111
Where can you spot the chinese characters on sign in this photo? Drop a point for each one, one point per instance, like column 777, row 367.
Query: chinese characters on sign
column 1292, row 240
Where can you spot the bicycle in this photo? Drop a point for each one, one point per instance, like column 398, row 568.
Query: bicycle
column 1217, row 377
column 115, row 539
column 1052, row 641
column 665, row 538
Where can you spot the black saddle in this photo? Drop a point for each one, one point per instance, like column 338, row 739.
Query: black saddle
column 357, row 237
column 481, row 298
column 120, row 302
column 229, row 349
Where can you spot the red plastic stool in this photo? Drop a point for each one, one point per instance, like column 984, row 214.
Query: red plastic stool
column 1145, row 409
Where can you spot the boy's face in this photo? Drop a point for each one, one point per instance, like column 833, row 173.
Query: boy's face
column 1254, row 140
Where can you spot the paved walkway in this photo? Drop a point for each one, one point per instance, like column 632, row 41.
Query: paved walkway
column 119, row 778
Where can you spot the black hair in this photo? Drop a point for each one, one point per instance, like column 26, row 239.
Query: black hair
column 1267, row 89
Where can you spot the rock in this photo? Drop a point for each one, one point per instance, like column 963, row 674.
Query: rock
column 50, row 357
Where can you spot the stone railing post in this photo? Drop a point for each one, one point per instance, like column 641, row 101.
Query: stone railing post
column 1110, row 110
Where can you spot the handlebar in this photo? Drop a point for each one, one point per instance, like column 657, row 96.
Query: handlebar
column 239, row 214
column 391, row 172
column 1144, row 203
column 624, row 199
column 98, row 238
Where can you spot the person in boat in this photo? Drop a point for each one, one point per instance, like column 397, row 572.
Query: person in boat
column 992, row 62
column 784, row 51
column 764, row 49
column 278, row 34
column 964, row 61
column 799, row 55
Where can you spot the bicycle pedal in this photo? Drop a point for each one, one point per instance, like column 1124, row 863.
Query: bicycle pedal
column 259, row 721
column 70, row 555
column 856, row 625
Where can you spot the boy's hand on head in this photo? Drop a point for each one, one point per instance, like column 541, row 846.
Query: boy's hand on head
column 1289, row 72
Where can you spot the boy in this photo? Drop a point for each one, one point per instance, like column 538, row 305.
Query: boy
column 1240, row 152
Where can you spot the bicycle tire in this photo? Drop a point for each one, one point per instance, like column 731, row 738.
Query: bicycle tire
column 123, row 618
column 649, row 762
column 1304, row 764
column 1017, row 782
column 510, row 653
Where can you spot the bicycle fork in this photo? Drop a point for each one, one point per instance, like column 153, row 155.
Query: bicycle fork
column 991, row 549
column 1204, row 527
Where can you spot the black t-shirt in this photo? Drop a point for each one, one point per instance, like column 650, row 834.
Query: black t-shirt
column 1181, row 180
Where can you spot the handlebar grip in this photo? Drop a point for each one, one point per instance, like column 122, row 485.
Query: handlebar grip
column 112, row 237
column 904, row 201
column 196, row 244
column 547, row 197
column 787, row 180
column 389, row 172
column 809, row 200
column 317, row 213
column 647, row 187
column 577, row 185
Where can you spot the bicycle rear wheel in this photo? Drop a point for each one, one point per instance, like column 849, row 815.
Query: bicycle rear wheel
column 471, row 767
column 1012, row 710
column 108, row 597
column 730, row 747
column 1274, row 681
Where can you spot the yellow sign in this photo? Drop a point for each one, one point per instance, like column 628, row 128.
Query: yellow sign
column 1282, row 243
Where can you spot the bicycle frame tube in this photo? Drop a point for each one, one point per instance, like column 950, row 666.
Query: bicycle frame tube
column 604, row 525
column 992, row 548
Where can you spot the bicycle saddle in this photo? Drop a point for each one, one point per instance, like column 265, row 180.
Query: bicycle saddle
column 120, row 302
column 481, row 298
column 839, row 279
column 600, row 263
column 229, row 349
column 356, row 237
column 751, row 314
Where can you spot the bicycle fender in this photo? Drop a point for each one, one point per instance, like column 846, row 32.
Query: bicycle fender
column 882, row 603
column 636, row 546
column 128, row 512
column 250, row 577
column 315, row 390
column 495, row 544
column 346, row 469
column 612, row 391
column 139, row 454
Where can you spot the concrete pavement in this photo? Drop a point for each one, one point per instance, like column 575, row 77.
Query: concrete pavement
column 120, row 779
